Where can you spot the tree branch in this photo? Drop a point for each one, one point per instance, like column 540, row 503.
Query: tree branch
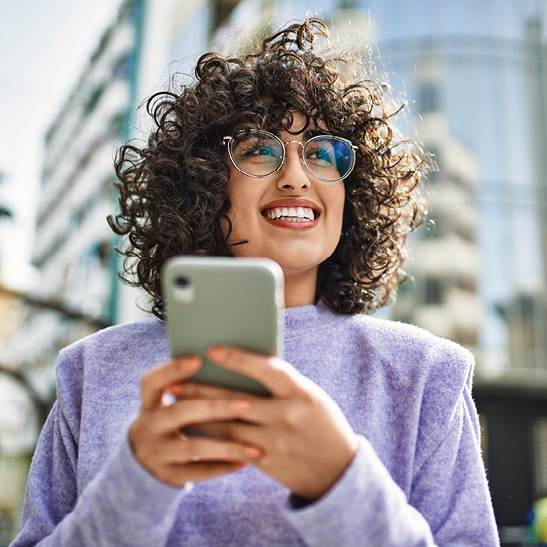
column 58, row 307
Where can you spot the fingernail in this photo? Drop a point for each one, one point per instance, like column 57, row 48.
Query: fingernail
column 216, row 352
column 240, row 406
column 252, row 452
column 174, row 389
column 190, row 363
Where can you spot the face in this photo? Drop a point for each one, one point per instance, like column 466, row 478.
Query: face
column 290, row 216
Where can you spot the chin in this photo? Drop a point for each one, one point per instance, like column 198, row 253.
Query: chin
column 297, row 266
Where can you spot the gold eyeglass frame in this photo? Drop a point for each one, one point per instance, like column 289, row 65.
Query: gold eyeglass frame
column 228, row 139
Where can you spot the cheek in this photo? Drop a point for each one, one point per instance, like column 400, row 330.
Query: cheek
column 243, row 205
column 338, row 200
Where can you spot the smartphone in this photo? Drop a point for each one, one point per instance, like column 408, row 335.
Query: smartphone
column 228, row 301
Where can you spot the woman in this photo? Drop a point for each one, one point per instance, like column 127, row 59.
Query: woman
column 371, row 436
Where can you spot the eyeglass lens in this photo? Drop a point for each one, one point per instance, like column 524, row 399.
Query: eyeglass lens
column 259, row 153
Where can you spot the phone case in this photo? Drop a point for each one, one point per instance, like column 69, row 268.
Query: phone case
column 231, row 301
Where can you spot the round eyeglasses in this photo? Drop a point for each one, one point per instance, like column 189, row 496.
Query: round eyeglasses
column 260, row 154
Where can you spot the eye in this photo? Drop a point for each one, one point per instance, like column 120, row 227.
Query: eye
column 258, row 150
column 321, row 154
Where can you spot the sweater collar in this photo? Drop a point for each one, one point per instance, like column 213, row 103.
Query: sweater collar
column 311, row 318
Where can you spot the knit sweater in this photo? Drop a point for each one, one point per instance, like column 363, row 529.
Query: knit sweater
column 416, row 479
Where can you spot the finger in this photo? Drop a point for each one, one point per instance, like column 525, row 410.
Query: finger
column 276, row 375
column 270, row 412
column 241, row 432
column 192, row 411
column 202, row 449
column 154, row 382
column 213, row 430
column 179, row 475
column 194, row 390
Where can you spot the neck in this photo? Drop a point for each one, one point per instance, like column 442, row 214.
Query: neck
column 300, row 288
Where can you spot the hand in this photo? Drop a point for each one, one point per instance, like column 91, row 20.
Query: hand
column 155, row 435
column 306, row 439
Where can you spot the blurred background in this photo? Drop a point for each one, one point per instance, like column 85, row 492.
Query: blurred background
column 72, row 74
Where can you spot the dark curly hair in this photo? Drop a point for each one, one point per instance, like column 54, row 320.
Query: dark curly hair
column 173, row 191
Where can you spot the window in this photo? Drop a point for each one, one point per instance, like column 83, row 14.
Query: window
column 222, row 10
column 124, row 67
column 130, row 12
column 433, row 291
column 429, row 98
column 117, row 126
column 540, row 455
column 348, row 4
column 93, row 99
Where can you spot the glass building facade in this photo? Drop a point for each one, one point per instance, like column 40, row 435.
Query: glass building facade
column 474, row 73
column 481, row 65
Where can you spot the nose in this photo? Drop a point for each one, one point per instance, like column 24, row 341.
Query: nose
column 294, row 175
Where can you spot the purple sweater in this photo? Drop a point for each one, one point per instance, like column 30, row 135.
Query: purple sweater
column 417, row 478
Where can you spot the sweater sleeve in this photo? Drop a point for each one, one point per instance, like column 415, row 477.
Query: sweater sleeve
column 123, row 505
column 449, row 502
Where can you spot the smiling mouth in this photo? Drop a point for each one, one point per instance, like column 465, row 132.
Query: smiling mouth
column 291, row 214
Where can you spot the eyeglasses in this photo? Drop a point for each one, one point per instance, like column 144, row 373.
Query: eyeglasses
column 260, row 154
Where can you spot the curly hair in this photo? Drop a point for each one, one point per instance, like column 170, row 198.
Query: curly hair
column 173, row 190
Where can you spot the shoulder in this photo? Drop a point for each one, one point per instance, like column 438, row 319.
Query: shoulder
column 420, row 370
column 400, row 353
column 404, row 341
column 106, row 367
column 139, row 335
column 409, row 364
column 127, row 348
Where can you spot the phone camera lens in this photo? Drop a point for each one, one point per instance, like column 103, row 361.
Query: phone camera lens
column 182, row 281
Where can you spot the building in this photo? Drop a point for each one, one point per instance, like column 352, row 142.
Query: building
column 486, row 64
column 74, row 245
column 78, row 289
column 441, row 292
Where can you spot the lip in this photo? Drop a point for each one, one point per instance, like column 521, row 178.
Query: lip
column 292, row 202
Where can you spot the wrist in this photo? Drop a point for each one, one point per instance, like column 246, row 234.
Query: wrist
column 323, row 483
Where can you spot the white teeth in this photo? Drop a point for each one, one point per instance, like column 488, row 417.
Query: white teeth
column 293, row 214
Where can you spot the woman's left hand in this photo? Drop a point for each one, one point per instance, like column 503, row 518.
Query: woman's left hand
column 306, row 439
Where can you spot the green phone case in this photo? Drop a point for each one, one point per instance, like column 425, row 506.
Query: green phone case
column 230, row 301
